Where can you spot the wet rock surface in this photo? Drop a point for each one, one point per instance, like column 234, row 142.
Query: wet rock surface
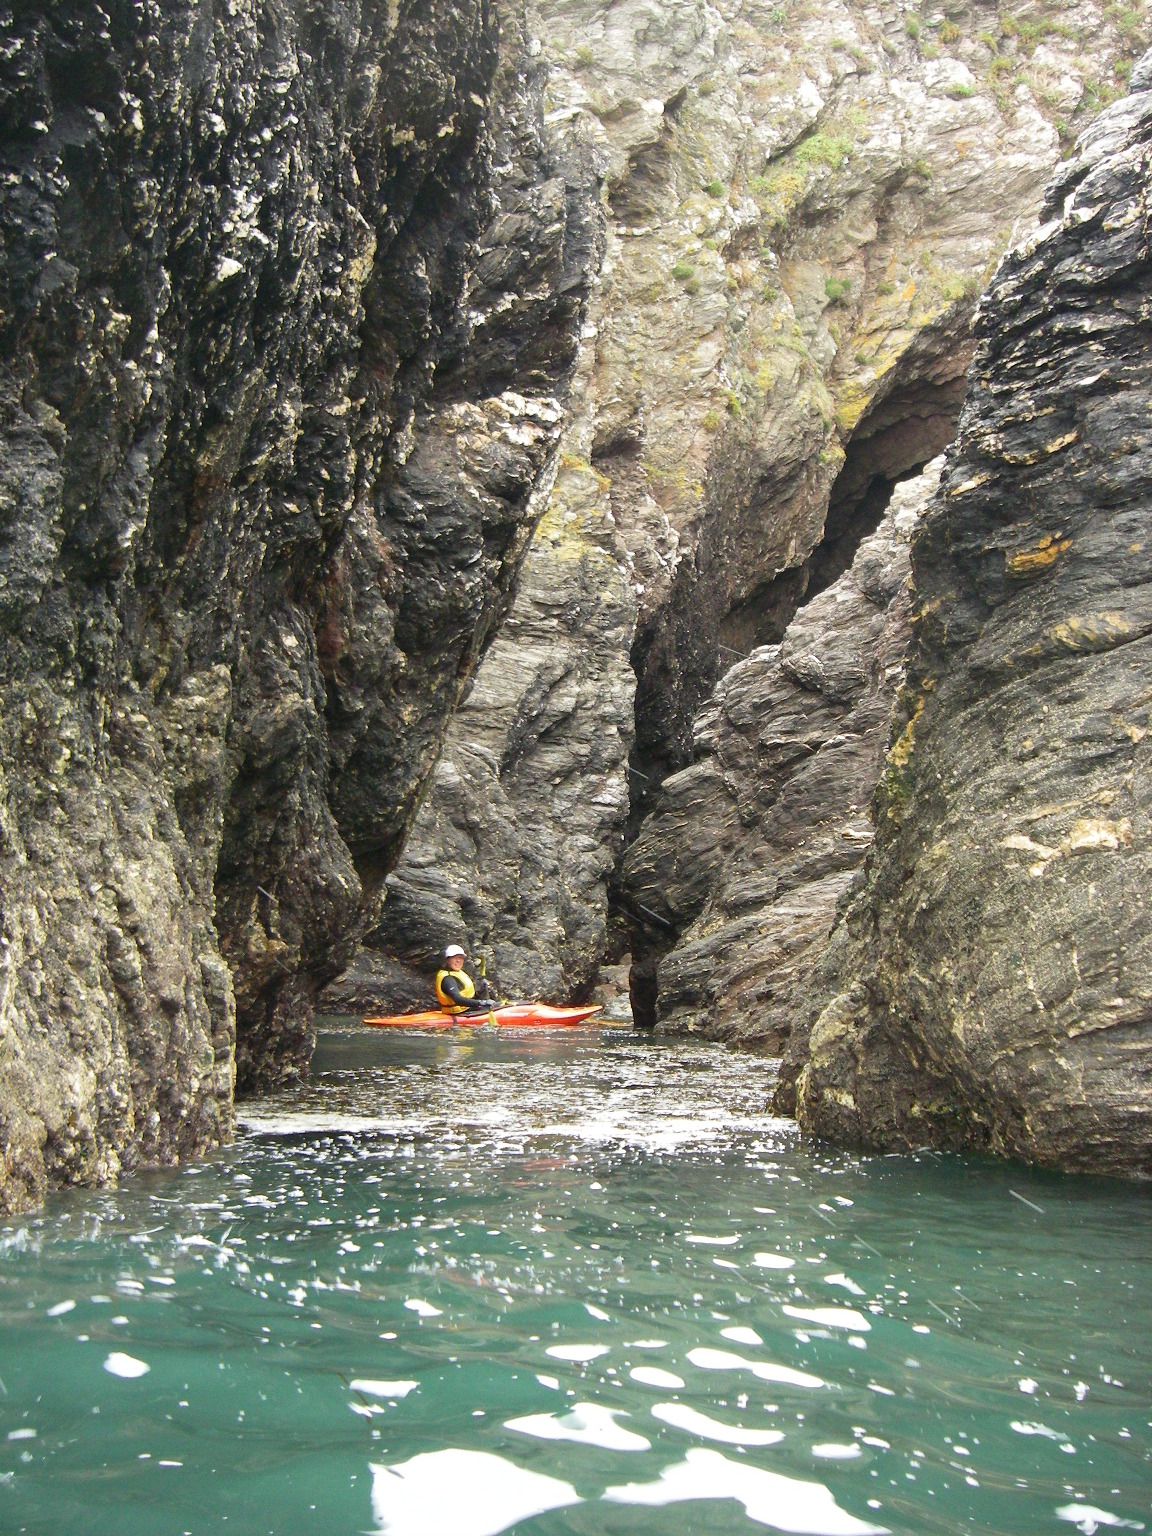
column 290, row 299
column 990, row 986
column 545, row 728
column 801, row 205
column 752, row 846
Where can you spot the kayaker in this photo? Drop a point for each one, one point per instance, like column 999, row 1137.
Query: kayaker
column 455, row 989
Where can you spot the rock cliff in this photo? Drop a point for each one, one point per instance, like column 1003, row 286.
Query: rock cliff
column 312, row 316
column 289, row 297
column 751, row 847
column 991, row 985
column 801, row 205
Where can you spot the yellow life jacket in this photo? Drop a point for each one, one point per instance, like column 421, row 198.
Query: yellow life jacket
column 467, row 986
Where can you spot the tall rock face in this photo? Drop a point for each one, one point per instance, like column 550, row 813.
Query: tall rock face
column 752, row 847
column 991, row 985
column 801, row 204
column 518, row 837
column 289, row 299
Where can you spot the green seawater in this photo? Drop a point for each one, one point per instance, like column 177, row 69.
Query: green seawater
column 574, row 1282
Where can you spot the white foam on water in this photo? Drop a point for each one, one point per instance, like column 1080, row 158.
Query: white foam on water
column 597, row 1312
column 576, row 1354
column 1089, row 1519
column 773, row 1261
column 769, row 1498
column 22, row 1434
column 831, row 1317
column 831, row 1451
column 60, row 1309
column 845, row 1284
column 741, row 1335
column 461, row 1493
column 680, row 1416
column 725, row 1264
column 325, row 1122
column 422, row 1308
column 1028, row 1386
column 664, row 1134
column 382, row 1388
column 647, row 1344
column 127, row 1366
column 765, row 1370
column 712, row 1242
column 551, row 1382
column 587, row 1424
column 653, row 1376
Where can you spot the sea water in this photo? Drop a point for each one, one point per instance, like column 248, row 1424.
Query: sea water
column 574, row 1282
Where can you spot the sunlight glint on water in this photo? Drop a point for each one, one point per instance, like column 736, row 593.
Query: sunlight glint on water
column 572, row 1283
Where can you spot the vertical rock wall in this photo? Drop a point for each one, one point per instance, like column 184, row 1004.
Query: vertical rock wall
column 801, row 203
column 289, row 298
column 991, row 986
column 752, row 847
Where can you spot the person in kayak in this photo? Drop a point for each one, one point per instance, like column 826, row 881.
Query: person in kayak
column 456, row 992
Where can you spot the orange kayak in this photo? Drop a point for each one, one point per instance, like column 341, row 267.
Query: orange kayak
column 506, row 1015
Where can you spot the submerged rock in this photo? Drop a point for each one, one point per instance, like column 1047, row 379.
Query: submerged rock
column 991, row 986
column 289, row 299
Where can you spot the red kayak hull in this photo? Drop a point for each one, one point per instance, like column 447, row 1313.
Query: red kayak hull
column 507, row 1016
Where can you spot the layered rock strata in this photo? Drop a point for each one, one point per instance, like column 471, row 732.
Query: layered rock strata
column 991, row 985
column 547, row 726
column 289, row 299
column 753, row 846
column 802, row 203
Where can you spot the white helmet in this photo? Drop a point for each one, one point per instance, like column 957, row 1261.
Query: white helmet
column 454, row 949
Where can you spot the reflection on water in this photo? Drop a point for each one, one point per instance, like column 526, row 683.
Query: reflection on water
column 572, row 1283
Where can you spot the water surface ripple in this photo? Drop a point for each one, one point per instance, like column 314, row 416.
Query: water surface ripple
column 572, row 1282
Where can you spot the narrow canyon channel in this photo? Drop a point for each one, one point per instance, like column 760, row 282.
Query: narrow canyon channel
column 578, row 1282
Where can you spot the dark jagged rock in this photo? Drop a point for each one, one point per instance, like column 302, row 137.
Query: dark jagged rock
column 289, row 297
column 750, row 849
column 528, row 891
column 802, row 203
column 991, row 986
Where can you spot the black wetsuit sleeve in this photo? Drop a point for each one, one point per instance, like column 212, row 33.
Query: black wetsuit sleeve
column 450, row 986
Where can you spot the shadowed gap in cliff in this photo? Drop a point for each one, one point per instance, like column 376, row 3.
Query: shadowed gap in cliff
column 913, row 422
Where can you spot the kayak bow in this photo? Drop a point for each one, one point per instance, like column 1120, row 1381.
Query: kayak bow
column 504, row 1016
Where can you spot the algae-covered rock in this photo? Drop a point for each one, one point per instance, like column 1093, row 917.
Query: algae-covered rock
column 289, row 300
column 801, row 206
column 991, row 986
